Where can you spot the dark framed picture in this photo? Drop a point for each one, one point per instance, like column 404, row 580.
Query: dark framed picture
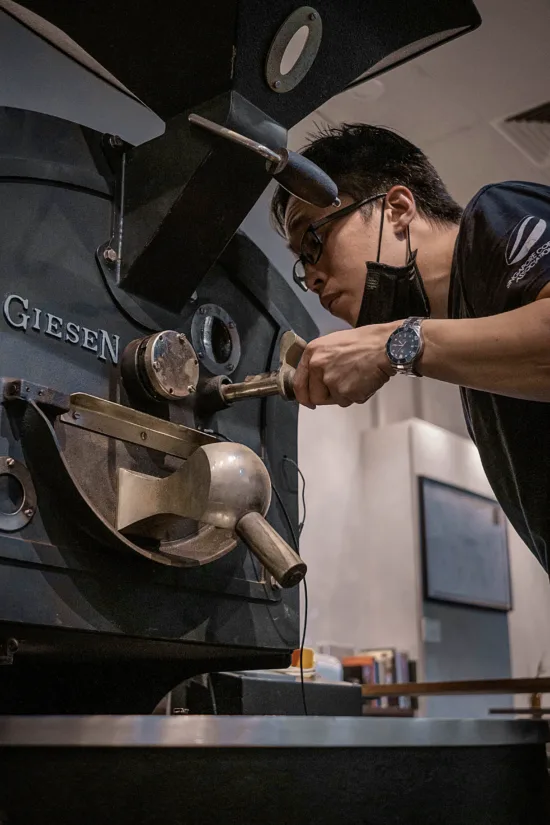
column 464, row 547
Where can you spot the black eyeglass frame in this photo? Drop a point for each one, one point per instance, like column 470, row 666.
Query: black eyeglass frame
column 304, row 258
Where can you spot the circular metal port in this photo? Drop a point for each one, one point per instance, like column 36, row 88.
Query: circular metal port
column 216, row 339
column 17, row 495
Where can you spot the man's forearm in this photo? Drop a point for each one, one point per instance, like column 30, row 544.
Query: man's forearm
column 507, row 354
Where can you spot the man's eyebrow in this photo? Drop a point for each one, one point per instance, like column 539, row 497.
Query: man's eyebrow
column 295, row 221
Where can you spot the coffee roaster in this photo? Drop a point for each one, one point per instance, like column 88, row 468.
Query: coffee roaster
column 140, row 538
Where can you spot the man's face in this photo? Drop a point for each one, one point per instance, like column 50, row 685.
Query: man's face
column 339, row 275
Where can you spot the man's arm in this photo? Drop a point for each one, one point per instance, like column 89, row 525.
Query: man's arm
column 507, row 354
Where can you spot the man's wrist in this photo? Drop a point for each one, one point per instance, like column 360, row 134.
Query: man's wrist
column 423, row 362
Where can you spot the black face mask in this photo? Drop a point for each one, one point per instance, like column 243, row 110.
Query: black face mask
column 392, row 292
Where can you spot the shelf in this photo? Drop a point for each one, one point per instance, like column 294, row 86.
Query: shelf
column 480, row 686
column 400, row 712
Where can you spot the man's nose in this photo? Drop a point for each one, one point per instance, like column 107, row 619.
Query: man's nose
column 315, row 279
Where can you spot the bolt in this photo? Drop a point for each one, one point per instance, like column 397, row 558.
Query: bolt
column 143, row 435
column 195, row 362
column 40, row 392
column 12, row 645
column 202, row 310
column 191, row 388
column 10, row 462
column 110, row 254
column 181, row 338
column 27, row 389
column 115, row 141
column 29, row 512
column 76, row 415
column 313, row 15
column 231, row 325
column 156, row 366
column 230, row 366
column 276, row 84
column 171, row 390
column 160, row 338
column 274, row 583
column 200, row 353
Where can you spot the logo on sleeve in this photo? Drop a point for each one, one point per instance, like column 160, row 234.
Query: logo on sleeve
column 523, row 238
column 521, row 243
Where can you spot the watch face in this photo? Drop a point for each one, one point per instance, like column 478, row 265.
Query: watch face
column 403, row 346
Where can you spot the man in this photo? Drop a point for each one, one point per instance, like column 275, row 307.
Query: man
column 477, row 285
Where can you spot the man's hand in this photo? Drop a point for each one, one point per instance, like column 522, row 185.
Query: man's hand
column 345, row 367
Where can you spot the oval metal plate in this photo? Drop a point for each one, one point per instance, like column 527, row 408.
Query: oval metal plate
column 304, row 16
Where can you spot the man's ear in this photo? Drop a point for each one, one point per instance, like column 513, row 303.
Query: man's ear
column 400, row 208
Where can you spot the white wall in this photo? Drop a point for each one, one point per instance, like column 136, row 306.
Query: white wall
column 529, row 622
column 361, row 539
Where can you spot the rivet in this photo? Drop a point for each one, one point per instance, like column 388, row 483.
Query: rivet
column 230, row 366
column 10, row 462
column 76, row 415
column 313, row 15
column 143, row 436
column 202, row 310
column 200, row 353
column 191, row 388
column 276, row 84
column 29, row 512
column 181, row 338
column 231, row 325
column 171, row 390
column 156, row 366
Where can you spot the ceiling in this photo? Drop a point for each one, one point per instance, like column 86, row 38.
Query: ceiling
column 447, row 100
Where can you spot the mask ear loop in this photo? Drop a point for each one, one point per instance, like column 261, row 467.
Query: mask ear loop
column 381, row 230
column 409, row 250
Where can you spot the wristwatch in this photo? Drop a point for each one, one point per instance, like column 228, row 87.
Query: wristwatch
column 405, row 346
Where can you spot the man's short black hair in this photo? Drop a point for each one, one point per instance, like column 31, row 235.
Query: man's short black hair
column 364, row 160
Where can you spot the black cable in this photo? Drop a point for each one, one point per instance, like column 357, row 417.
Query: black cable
column 304, row 510
column 296, row 544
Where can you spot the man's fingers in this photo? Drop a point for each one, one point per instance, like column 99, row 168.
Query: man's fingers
column 301, row 382
column 319, row 393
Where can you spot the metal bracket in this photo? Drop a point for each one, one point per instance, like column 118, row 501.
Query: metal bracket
column 8, row 648
column 127, row 424
column 17, row 389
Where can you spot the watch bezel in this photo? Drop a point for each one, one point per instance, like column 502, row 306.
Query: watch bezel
column 404, row 362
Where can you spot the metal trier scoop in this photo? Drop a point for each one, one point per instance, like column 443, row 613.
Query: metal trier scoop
column 225, row 485
column 219, row 392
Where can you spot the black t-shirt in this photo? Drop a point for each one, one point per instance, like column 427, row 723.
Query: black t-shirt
column 501, row 262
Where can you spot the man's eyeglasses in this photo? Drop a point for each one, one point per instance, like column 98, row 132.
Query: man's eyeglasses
column 311, row 245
